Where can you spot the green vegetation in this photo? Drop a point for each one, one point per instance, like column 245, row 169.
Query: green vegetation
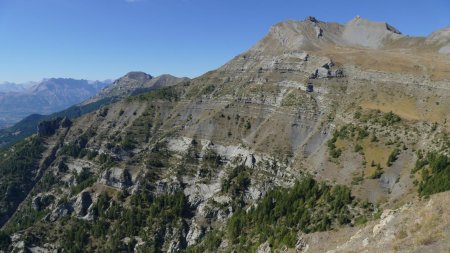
column 128, row 143
column 248, row 125
column 334, row 152
column 357, row 178
column 5, row 241
column 237, row 183
column 308, row 207
column 166, row 93
column 378, row 117
column 24, row 218
column 16, row 169
column 84, row 179
column 77, row 148
column 147, row 216
column 393, row 157
column 435, row 170
column 377, row 173
column 358, row 148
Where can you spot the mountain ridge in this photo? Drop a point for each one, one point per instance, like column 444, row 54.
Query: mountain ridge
column 48, row 96
column 303, row 143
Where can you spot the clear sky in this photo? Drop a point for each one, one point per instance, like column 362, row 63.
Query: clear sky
column 100, row 39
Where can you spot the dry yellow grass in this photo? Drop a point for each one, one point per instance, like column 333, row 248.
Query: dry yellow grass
column 404, row 108
column 392, row 61
column 342, row 144
column 374, row 152
column 408, row 109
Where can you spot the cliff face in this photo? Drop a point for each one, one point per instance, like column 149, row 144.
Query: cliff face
column 200, row 165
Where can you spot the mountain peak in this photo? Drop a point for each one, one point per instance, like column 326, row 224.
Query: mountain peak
column 311, row 19
column 371, row 34
column 138, row 75
column 370, row 25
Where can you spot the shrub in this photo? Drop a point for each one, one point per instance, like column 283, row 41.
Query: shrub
column 392, row 157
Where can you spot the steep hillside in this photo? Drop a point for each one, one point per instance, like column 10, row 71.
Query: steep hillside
column 48, row 96
column 322, row 137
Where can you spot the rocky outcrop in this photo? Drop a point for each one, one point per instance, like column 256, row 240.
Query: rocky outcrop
column 61, row 211
column 40, row 202
column 194, row 235
column 167, row 186
column 117, row 177
column 318, row 31
column 82, row 203
column 264, row 248
column 49, row 127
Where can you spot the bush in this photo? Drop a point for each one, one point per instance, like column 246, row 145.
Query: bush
column 377, row 173
column 392, row 157
column 17, row 166
column 436, row 178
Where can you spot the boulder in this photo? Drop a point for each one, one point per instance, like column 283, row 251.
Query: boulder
column 318, row 31
column 322, row 72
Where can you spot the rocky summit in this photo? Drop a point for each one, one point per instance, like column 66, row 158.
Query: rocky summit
column 322, row 137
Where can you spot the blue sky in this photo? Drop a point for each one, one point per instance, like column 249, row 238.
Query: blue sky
column 99, row 39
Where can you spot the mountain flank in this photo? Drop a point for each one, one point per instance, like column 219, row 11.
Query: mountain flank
column 322, row 137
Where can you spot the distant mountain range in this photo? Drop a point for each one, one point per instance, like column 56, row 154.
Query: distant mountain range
column 50, row 95
column 57, row 90
column 15, row 87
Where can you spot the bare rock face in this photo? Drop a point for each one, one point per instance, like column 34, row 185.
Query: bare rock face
column 61, row 211
column 264, row 248
column 117, row 177
column 167, row 186
column 195, row 233
column 322, row 72
column 137, row 75
column 40, row 202
column 312, row 19
column 318, row 31
column 368, row 33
